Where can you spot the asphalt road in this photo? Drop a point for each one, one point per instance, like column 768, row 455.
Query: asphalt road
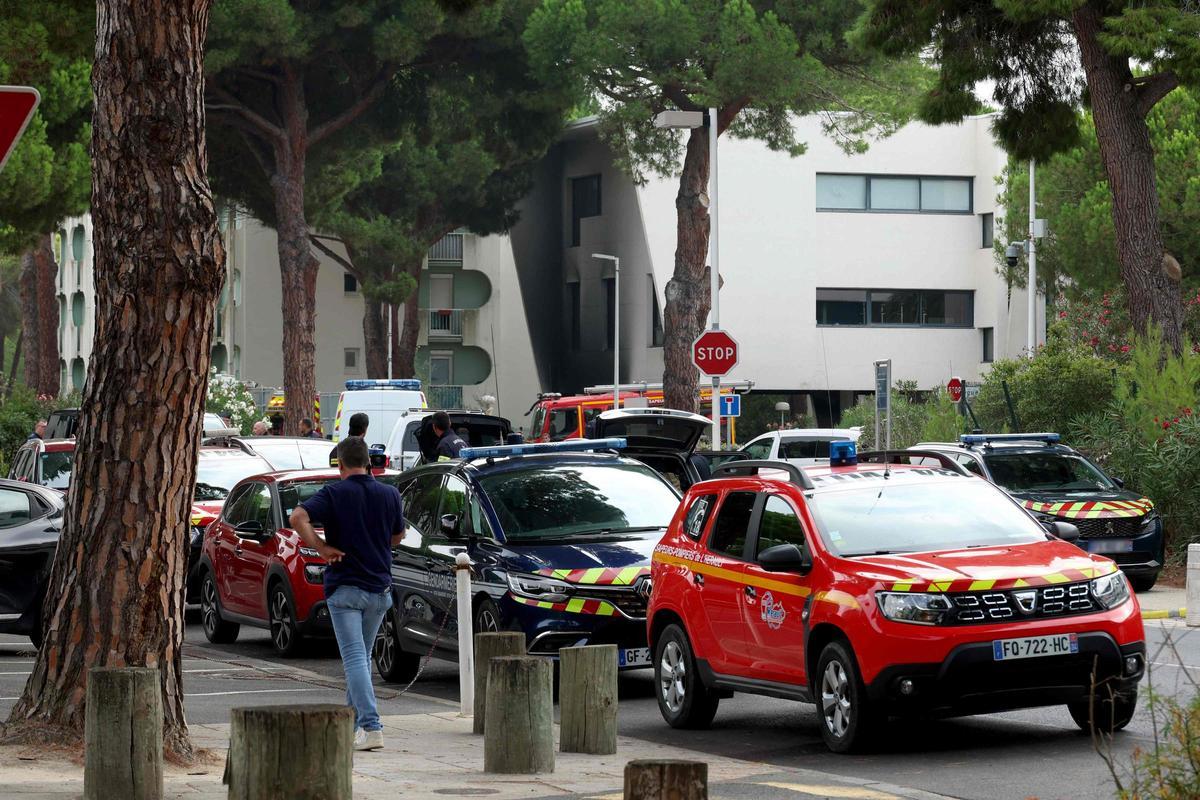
column 1014, row 756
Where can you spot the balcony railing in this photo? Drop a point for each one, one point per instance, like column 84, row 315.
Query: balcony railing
column 445, row 324
column 444, row 396
column 448, row 250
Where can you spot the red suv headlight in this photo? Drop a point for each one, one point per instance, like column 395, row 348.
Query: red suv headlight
column 918, row 608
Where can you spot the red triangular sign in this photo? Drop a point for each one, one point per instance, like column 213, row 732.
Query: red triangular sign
column 16, row 109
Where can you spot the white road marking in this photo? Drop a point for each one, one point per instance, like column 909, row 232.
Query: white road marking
column 245, row 691
column 1173, row 665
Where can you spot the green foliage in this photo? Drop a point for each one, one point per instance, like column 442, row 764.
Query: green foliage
column 944, row 423
column 1158, row 386
column 48, row 175
column 759, row 416
column 1168, row 770
column 1074, row 198
column 1064, row 381
column 758, row 62
column 18, row 414
column 916, row 417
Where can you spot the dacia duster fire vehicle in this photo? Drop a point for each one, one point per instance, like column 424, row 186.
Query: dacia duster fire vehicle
column 1057, row 483
column 882, row 589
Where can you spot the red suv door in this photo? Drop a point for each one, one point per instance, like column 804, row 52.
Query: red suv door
column 773, row 605
column 721, row 589
column 252, row 552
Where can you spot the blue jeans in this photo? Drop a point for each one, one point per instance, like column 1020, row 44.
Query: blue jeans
column 356, row 616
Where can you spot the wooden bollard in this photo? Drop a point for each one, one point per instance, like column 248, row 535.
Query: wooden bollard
column 518, row 732
column 587, row 699
column 302, row 752
column 123, row 734
column 487, row 647
column 666, row 780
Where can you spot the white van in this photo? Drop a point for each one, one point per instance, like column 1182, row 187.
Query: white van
column 800, row 446
column 413, row 441
column 383, row 401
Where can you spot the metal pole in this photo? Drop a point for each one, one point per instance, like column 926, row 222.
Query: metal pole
column 617, row 333
column 387, row 309
column 888, row 446
column 466, row 652
column 714, row 265
column 1031, row 330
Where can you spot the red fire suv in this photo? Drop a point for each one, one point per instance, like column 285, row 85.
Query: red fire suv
column 878, row 589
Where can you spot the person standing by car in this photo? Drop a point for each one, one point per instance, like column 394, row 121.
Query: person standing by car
column 39, row 430
column 449, row 444
column 261, row 428
column 358, row 427
column 363, row 520
column 306, row 429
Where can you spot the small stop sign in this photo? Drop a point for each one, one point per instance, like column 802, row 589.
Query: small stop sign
column 955, row 389
column 715, row 353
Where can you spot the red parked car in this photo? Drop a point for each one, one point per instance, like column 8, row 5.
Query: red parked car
column 877, row 590
column 254, row 570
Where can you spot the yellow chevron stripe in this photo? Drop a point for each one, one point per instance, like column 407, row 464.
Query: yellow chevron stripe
column 1056, row 578
column 561, row 574
column 627, row 576
column 1019, row 582
column 940, row 586
column 575, row 605
column 903, row 586
column 605, row 610
column 981, row 586
column 592, row 575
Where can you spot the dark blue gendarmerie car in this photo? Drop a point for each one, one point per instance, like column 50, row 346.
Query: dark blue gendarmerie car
column 560, row 537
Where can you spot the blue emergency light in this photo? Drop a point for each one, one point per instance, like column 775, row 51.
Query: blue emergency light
column 842, row 453
column 984, row 438
column 408, row 384
column 570, row 446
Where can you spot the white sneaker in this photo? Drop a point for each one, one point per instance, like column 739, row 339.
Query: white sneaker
column 367, row 740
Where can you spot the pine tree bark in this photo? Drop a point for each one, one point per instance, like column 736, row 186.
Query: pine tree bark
column 30, row 328
column 49, row 373
column 405, row 359
column 116, row 589
column 375, row 338
column 1120, row 117
column 297, row 264
column 687, row 293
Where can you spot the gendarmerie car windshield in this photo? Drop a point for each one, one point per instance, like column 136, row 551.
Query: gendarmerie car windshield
column 920, row 517
column 1034, row 472
column 546, row 502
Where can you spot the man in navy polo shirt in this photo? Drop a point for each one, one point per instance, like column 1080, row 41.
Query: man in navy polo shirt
column 363, row 520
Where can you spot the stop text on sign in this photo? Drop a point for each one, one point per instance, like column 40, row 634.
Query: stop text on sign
column 715, row 353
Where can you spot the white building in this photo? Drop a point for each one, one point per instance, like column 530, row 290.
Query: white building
column 829, row 262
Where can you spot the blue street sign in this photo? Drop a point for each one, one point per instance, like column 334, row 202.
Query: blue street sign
column 731, row 405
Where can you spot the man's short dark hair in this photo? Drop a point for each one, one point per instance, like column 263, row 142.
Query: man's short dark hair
column 277, row 422
column 441, row 421
column 352, row 453
column 359, row 423
column 308, row 422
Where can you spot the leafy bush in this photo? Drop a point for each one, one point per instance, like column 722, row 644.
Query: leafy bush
column 228, row 395
column 1063, row 381
column 1158, row 386
column 1169, row 769
column 916, row 417
column 18, row 414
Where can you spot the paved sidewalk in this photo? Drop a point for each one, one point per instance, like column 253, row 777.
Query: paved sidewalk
column 435, row 755
column 1163, row 602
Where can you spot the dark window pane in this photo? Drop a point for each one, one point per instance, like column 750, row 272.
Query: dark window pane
column 987, row 221
column 349, row 283
column 841, row 307
column 656, row 326
column 697, row 515
column 733, row 521
column 951, row 309
column 989, row 344
column 895, row 308
column 779, row 525
column 585, row 202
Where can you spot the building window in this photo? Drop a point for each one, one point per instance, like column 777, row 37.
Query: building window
column 987, row 221
column 576, row 323
column 610, row 311
column 237, row 287
column 989, row 344
column 441, row 369
column 350, row 359
column 349, row 283
column 656, row 326
column 78, row 373
column 925, row 308
column 915, row 194
column 585, row 202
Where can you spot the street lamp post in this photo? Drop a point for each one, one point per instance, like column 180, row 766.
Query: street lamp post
column 696, row 119
column 782, row 408
column 616, row 325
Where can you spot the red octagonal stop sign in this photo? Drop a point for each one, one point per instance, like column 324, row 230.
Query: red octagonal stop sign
column 715, row 353
column 954, row 388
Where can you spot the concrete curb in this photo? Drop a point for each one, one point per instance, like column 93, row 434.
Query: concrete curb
column 1169, row 613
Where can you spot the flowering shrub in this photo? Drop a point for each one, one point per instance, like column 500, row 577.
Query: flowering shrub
column 228, row 395
column 1099, row 321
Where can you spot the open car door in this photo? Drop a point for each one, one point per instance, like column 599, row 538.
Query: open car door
column 477, row 430
column 662, row 438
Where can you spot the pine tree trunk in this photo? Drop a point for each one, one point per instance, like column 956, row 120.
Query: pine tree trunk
column 375, row 338
column 406, row 356
column 687, row 292
column 47, row 301
column 1128, row 158
column 297, row 264
column 116, row 589
column 29, row 319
